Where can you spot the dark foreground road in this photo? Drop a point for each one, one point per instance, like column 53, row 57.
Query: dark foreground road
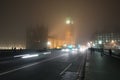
column 60, row 66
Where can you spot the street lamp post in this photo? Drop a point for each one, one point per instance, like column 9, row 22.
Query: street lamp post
column 49, row 44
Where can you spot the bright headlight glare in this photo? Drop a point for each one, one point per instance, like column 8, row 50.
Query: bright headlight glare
column 63, row 49
column 45, row 53
column 30, row 56
column 83, row 49
column 66, row 50
column 74, row 49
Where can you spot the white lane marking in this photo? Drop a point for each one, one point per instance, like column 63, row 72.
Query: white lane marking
column 26, row 66
column 87, row 64
column 79, row 68
column 66, row 69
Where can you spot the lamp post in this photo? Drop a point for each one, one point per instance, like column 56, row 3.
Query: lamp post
column 49, row 44
column 113, row 44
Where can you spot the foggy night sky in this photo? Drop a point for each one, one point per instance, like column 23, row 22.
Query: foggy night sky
column 89, row 16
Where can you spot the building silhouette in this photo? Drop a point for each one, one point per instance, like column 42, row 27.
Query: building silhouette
column 69, row 35
column 109, row 40
column 36, row 37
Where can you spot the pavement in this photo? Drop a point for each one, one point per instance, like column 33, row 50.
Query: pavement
column 58, row 66
column 102, row 67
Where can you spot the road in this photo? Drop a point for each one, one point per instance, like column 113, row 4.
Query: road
column 58, row 66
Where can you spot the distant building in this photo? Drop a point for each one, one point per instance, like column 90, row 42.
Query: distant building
column 55, row 42
column 69, row 32
column 107, row 39
column 36, row 37
column 69, row 37
column 67, row 40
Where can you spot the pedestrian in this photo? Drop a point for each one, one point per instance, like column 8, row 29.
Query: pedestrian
column 110, row 52
column 91, row 50
column 102, row 51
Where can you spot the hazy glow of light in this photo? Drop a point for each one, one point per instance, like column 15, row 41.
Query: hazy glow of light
column 58, row 47
column 106, row 40
column 65, row 50
column 5, row 47
column 83, row 49
column 91, row 42
column 88, row 44
column 65, row 45
column 79, row 46
column 112, row 41
column 66, row 54
column 18, row 56
column 45, row 53
column 74, row 49
column 99, row 42
column 29, row 56
column 48, row 43
column 70, row 46
column 10, row 47
column 74, row 52
column 93, row 45
column 68, row 21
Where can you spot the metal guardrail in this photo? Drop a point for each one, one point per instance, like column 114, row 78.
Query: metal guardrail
column 109, row 52
column 10, row 54
column 7, row 53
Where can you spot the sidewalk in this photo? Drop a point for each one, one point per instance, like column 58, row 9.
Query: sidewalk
column 102, row 68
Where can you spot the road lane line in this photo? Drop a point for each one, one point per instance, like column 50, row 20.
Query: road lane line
column 26, row 66
column 66, row 69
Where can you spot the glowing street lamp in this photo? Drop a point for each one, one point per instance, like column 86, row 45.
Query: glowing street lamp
column 113, row 41
column 48, row 43
column 65, row 45
column 100, row 42
column 88, row 44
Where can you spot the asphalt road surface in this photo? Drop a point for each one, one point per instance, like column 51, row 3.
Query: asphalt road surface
column 57, row 66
